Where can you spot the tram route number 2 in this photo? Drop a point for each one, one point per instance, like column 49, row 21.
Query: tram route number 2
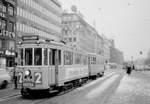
column 38, row 77
column 20, row 77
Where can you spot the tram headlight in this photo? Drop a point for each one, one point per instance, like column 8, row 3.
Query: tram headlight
column 27, row 72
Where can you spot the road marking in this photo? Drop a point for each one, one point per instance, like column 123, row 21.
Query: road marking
column 96, row 81
column 102, row 87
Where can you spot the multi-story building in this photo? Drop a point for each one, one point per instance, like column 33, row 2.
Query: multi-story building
column 39, row 17
column 116, row 56
column 82, row 36
column 7, row 32
column 78, row 33
column 106, row 49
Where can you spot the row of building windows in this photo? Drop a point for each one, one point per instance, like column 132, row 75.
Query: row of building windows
column 23, row 13
column 7, row 8
column 53, row 4
column 41, row 9
column 70, row 39
column 7, row 44
column 29, row 29
column 7, row 25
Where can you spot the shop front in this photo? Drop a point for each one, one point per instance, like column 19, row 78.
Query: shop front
column 7, row 58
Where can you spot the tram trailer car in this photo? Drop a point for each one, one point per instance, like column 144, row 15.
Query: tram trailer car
column 96, row 65
column 51, row 66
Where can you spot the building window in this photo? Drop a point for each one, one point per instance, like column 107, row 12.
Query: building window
column 70, row 39
column 4, row 8
column 1, row 6
column 11, row 26
column 11, row 10
column 0, row 44
column 11, row 45
column 74, row 39
column 0, row 23
column 4, row 24
column 4, row 44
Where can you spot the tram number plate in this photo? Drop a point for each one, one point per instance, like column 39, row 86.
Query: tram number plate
column 28, row 84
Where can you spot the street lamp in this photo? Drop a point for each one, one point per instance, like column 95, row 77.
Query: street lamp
column 132, row 60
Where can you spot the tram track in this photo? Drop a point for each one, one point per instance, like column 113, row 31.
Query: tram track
column 46, row 100
column 9, row 97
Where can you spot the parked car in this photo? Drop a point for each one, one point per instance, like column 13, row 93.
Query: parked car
column 4, row 78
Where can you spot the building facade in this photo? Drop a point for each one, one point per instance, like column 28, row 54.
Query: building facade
column 39, row 17
column 116, row 56
column 78, row 33
column 106, row 49
column 7, row 32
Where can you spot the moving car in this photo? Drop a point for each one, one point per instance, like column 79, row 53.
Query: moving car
column 4, row 78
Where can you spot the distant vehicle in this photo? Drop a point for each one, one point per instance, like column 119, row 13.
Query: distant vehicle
column 113, row 65
column 147, row 68
column 4, row 78
column 139, row 68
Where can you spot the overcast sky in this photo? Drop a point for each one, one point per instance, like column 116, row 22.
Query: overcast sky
column 126, row 21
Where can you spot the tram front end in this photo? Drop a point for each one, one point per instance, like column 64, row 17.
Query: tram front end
column 31, row 71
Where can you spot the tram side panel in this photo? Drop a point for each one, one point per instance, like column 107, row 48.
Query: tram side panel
column 96, row 69
column 72, row 72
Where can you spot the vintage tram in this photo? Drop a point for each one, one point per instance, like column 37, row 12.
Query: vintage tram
column 46, row 65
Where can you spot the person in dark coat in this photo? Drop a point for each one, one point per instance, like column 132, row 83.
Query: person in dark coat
column 129, row 69
column 15, row 76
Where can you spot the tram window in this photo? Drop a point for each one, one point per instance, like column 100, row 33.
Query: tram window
column 64, row 53
column 21, row 57
column 71, row 58
column 67, row 58
column 59, row 56
column 45, row 57
column 28, row 56
column 38, row 56
column 78, row 59
column 84, row 60
column 53, row 56
column 50, row 57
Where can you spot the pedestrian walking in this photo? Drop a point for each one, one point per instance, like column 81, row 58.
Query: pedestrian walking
column 15, row 77
column 129, row 70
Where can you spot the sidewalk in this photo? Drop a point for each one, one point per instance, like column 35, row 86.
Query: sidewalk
column 146, row 72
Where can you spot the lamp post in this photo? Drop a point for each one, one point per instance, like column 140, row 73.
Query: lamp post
column 132, row 60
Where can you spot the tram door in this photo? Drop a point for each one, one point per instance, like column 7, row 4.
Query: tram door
column 54, row 64
column 89, row 65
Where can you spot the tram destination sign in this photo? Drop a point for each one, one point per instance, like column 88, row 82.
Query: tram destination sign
column 32, row 37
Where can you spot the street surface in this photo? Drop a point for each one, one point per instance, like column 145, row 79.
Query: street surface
column 115, row 87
